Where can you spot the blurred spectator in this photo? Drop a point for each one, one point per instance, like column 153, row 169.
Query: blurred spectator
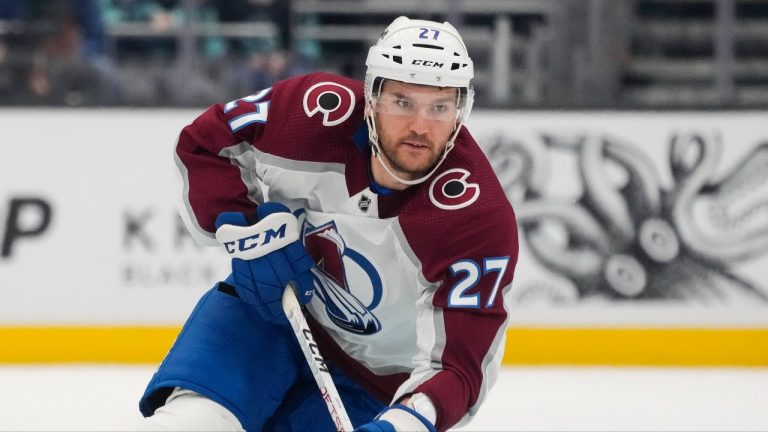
column 12, row 68
column 12, row 10
column 239, row 11
column 7, row 73
column 260, row 71
column 257, row 63
column 143, row 57
column 249, row 64
column 67, row 64
column 61, row 54
column 161, row 17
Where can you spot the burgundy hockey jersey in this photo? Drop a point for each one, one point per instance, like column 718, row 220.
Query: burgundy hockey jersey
column 409, row 284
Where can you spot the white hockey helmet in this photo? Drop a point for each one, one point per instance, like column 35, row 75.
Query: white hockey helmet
column 419, row 52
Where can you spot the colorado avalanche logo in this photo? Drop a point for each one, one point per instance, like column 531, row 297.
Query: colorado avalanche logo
column 331, row 255
column 451, row 191
column 333, row 100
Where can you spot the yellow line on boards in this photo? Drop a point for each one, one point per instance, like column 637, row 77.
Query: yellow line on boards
column 524, row 346
column 637, row 346
column 85, row 344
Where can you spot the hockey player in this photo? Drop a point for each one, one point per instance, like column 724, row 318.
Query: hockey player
column 405, row 247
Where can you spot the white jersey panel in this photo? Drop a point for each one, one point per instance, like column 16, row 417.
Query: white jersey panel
column 367, row 284
column 371, row 249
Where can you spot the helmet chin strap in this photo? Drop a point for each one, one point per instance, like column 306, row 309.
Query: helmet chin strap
column 373, row 138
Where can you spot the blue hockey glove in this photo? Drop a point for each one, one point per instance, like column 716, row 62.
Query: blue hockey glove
column 265, row 257
column 397, row 418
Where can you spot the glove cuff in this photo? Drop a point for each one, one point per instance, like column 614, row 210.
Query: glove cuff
column 423, row 405
column 269, row 234
column 403, row 418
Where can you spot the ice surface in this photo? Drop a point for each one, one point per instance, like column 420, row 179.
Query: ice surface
column 87, row 397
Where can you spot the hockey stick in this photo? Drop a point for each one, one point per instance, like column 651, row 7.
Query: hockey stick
column 315, row 361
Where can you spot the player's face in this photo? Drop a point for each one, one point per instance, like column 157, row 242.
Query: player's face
column 414, row 124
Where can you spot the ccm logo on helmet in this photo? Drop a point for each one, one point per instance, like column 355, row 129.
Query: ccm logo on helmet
column 334, row 101
column 427, row 63
column 451, row 191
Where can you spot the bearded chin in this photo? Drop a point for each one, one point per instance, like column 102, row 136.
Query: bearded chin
column 412, row 173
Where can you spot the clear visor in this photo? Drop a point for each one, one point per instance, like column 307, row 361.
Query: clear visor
column 433, row 107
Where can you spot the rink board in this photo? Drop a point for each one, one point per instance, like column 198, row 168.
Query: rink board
column 96, row 265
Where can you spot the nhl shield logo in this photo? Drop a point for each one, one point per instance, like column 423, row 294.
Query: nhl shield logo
column 364, row 203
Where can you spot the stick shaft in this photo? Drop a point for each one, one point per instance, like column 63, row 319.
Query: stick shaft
column 315, row 361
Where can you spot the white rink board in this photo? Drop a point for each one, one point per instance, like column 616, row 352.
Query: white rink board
column 584, row 186
column 114, row 254
column 100, row 171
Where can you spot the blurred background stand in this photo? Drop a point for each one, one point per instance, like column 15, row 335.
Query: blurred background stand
column 578, row 54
